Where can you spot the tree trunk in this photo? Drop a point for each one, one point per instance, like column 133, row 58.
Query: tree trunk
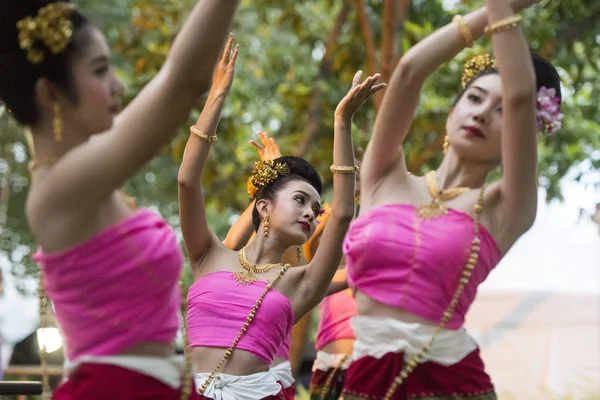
column 314, row 107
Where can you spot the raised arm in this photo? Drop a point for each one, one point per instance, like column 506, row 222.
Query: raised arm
column 324, row 264
column 192, row 210
column 518, row 186
column 402, row 96
column 88, row 174
column 241, row 231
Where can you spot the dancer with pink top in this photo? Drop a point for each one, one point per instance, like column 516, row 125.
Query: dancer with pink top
column 112, row 273
column 422, row 245
column 243, row 304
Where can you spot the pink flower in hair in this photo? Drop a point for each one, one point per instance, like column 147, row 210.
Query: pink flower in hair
column 548, row 114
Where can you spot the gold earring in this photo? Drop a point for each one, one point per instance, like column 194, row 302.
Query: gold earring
column 299, row 253
column 266, row 226
column 57, row 124
column 446, row 144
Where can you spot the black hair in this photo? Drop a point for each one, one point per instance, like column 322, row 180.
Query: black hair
column 545, row 75
column 18, row 76
column 300, row 169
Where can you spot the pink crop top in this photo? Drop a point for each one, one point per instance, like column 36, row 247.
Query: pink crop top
column 284, row 349
column 117, row 289
column 217, row 309
column 335, row 312
column 401, row 260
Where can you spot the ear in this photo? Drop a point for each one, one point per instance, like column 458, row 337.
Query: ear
column 263, row 206
column 46, row 94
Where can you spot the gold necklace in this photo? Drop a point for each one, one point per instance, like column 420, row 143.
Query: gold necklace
column 248, row 275
column 437, row 207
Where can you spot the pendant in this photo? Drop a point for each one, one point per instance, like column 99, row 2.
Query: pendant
column 244, row 277
column 432, row 210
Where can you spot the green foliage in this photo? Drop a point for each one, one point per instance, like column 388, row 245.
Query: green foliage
column 280, row 62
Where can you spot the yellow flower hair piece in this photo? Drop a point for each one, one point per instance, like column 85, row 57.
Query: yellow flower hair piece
column 265, row 172
column 250, row 188
column 476, row 65
column 50, row 27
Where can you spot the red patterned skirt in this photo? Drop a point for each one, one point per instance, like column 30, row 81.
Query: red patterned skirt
column 103, row 381
column 319, row 380
column 369, row 378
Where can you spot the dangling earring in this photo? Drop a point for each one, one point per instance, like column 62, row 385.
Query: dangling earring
column 299, row 253
column 446, row 144
column 266, row 226
column 57, row 124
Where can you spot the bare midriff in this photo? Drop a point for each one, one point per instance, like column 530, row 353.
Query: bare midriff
column 241, row 363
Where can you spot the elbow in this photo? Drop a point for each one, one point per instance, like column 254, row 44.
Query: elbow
column 196, row 83
column 344, row 217
column 184, row 181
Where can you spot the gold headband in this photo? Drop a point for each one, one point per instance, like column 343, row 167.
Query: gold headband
column 263, row 173
column 51, row 27
column 476, row 65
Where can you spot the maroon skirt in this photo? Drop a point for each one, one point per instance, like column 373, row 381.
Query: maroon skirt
column 289, row 393
column 319, row 380
column 104, row 381
column 370, row 378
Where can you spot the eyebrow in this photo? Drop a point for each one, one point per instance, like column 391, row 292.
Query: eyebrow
column 316, row 203
column 480, row 88
column 101, row 59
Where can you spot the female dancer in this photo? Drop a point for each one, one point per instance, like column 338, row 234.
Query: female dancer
column 417, row 253
column 57, row 79
column 239, row 235
column 231, row 308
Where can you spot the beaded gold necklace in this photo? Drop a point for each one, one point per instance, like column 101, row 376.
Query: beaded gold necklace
column 251, row 315
column 248, row 275
column 464, row 279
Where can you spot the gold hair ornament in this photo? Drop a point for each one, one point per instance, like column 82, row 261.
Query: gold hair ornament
column 265, row 172
column 51, row 27
column 475, row 65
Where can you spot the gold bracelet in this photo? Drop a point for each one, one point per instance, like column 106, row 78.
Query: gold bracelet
column 503, row 25
column 464, row 30
column 202, row 136
column 343, row 169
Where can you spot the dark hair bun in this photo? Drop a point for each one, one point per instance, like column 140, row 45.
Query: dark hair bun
column 302, row 168
column 545, row 74
column 11, row 12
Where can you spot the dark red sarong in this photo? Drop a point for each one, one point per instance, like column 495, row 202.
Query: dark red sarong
column 370, row 378
column 319, row 379
column 104, row 381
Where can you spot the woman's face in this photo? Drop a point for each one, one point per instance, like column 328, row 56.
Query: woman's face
column 293, row 214
column 474, row 125
column 98, row 90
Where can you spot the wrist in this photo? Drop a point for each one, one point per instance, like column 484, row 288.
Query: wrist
column 217, row 96
column 342, row 119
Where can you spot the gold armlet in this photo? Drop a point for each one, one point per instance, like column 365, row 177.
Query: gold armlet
column 202, row 136
column 343, row 169
column 464, row 30
column 505, row 24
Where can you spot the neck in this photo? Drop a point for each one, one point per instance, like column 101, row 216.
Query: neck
column 43, row 146
column 455, row 171
column 265, row 250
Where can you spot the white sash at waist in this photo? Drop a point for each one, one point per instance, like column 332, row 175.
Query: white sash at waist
column 283, row 373
column 376, row 337
column 327, row 361
column 167, row 370
column 231, row 387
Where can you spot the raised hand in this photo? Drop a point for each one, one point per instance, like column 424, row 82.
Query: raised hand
column 268, row 150
column 225, row 69
column 358, row 94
